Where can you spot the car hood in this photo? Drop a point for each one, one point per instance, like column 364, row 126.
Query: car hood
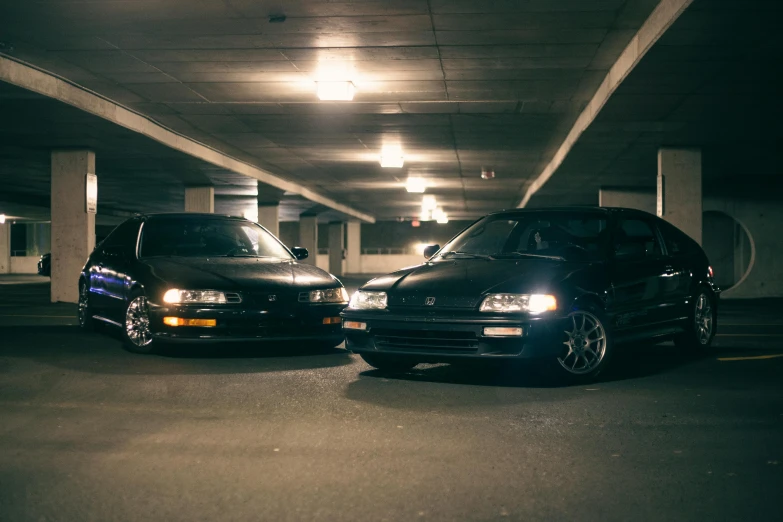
column 238, row 273
column 461, row 283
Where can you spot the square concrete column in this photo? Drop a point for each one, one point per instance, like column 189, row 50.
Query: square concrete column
column 200, row 199
column 308, row 236
column 268, row 217
column 679, row 189
column 627, row 198
column 353, row 254
column 5, row 247
column 73, row 228
column 336, row 245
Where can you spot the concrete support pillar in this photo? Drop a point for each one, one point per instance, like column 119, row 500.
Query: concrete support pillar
column 627, row 198
column 336, row 246
column 268, row 217
column 353, row 254
column 308, row 236
column 200, row 199
column 679, row 189
column 73, row 228
column 5, row 247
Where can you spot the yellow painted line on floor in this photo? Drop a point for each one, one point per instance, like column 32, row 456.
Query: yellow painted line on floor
column 754, row 358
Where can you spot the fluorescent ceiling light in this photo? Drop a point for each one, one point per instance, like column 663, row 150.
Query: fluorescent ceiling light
column 392, row 158
column 425, row 215
column 335, row 91
column 417, row 185
column 440, row 216
column 443, row 218
column 429, row 203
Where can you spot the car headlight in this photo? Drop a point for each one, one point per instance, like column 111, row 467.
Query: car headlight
column 330, row 295
column 362, row 300
column 176, row 296
column 532, row 303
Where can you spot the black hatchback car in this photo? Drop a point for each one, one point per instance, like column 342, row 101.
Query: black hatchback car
column 207, row 278
column 561, row 286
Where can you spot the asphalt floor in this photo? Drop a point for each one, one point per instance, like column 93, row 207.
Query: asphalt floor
column 89, row 431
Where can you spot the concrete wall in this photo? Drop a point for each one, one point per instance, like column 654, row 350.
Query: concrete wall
column 24, row 264
column 380, row 264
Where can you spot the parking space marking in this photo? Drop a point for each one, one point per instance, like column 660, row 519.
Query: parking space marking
column 753, row 358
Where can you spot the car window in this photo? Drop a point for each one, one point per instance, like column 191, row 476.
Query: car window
column 209, row 237
column 677, row 242
column 635, row 238
column 577, row 236
column 124, row 236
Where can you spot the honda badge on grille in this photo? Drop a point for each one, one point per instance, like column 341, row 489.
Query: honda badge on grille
column 272, row 298
column 429, row 301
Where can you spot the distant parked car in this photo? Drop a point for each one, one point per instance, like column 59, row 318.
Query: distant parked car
column 45, row 265
column 559, row 286
column 207, row 278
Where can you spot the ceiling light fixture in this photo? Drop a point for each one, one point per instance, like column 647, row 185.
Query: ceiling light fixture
column 416, row 185
column 391, row 157
column 440, row 216
column 429, row 203
column 336, row 91
column 2, row 219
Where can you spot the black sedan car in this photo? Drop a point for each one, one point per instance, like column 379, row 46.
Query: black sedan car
column 560, row 286
column 207, row 278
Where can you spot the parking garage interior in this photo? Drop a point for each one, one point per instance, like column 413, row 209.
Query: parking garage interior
column 365, row 131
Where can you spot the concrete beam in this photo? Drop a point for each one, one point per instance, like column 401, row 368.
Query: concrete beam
column 662, row 17
column 29, row 77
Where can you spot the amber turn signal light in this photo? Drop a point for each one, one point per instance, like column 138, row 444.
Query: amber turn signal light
column 333, row 320
column 179, row 321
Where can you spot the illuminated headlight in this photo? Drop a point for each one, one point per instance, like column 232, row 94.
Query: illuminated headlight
column 175, row 296
column 532, row 303
column 362, row 300
column 331, row 295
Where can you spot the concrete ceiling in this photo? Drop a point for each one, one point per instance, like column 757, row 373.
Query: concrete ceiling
column 460, row 84
column 712, row 81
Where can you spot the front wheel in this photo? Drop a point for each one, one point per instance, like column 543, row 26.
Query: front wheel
column 136, row 328
column 587, row 347
column 388, row 363
column 700, row 331
column 86, row 321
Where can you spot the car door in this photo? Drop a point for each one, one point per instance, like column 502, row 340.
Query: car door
column 115, row 259
column 637, row 269
column 678, row 279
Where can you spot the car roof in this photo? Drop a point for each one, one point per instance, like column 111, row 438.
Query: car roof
column 574, row 208
column 187, row 215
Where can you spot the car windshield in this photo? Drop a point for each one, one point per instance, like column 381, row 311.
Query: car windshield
column 190, row 237
column 563, row 236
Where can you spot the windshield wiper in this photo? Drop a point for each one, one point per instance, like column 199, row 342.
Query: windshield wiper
column 525, row 254
column 466, row 254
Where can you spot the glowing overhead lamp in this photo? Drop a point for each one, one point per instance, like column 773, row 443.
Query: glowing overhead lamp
column 392, row 157
column 440, row 216
column 336, row 91
column 2, row 219
column 429, row 203
column 443, row 218
column 416, row 185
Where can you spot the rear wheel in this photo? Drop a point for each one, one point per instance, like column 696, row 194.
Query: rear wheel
column 136, row 328
column 700, row 331
column 587, row 348
column 388, row 363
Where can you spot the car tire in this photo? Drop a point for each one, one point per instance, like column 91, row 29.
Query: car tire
column 702, row 322
column 587, row 348
column 136, row 333
column 388, row 363
column 84, row 312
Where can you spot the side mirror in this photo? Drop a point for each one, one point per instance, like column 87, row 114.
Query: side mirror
column 431, row 250
column 300, row 253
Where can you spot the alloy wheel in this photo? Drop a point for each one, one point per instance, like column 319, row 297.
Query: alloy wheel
column 137, row 322
column 703, row 319
column 84, row 304
column 586, row 343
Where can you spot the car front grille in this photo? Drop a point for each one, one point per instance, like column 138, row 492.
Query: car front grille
column 431, row 341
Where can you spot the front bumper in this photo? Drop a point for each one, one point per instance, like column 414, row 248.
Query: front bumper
column 434, row 338
column 243, row 324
